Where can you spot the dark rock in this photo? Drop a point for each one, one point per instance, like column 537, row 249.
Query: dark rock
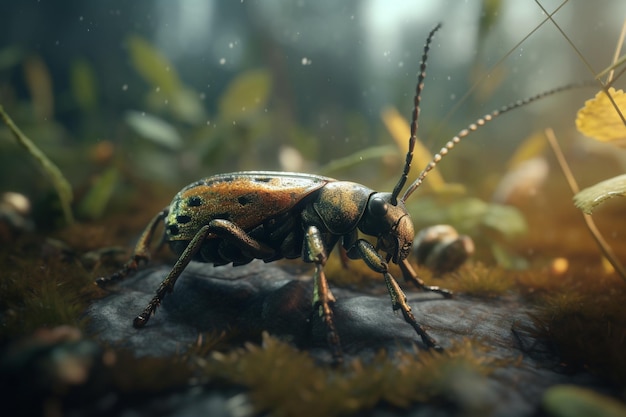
column 206, row 299
column 250, row 299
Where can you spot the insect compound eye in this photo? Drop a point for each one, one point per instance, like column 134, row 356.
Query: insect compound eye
column 378, row 207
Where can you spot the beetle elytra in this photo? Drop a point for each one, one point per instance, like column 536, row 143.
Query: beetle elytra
column 241, row 216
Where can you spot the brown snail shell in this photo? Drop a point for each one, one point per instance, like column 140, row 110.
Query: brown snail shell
column 441, row 249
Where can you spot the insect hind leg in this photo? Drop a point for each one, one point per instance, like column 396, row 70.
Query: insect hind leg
column 167, row 285
column 141, row 253
column 235, row 236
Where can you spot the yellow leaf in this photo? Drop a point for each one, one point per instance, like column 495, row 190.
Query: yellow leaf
column 600, row 120
column 399, row 129
column 532, row 147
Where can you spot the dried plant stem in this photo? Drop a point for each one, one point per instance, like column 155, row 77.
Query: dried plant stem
column 591, row 225
column 605, row 87
column 616, row 59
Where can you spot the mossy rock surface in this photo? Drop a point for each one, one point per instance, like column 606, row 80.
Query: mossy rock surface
column 248, row 300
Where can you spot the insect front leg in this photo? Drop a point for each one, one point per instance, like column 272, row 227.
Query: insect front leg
column 315, row 251
column 365, row 250
column 410, row 276
column 140, row 254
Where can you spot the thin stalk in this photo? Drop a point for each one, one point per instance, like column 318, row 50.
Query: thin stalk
column 60, row 184
column 591, row 225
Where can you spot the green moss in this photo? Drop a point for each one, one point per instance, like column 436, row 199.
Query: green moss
column 38, row 292
column 478, row 280
column 355, row 273
column 288, row 382
column 587, row 325
column 146, row 375
column 474, row 279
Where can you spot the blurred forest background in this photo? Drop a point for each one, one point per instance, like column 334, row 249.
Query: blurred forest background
column 122, row 93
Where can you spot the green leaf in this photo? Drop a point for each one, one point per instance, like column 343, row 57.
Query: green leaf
column 10, row 56
column 94, row 203
column 573, row 401
column 245, row 95
column 84, row 85
column 590, row 197
column 186, row 106
column 153, row 66
column 470, row 215
column 507, row 220
column 490, row 13
column 507, row 259
column 169, row 92
column 154, row 128
column 467, row 213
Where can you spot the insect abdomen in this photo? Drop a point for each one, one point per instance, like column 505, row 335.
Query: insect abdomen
column 245, row 198
column 263, row 204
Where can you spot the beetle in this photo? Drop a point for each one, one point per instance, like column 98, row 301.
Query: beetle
column 237, row 217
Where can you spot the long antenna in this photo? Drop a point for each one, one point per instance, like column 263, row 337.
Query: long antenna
column 475, row 126
column 416, row 113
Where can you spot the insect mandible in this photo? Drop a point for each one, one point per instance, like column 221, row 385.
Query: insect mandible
column 241, row 216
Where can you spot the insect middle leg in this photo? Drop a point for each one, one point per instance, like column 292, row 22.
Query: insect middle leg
column 315, row 251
